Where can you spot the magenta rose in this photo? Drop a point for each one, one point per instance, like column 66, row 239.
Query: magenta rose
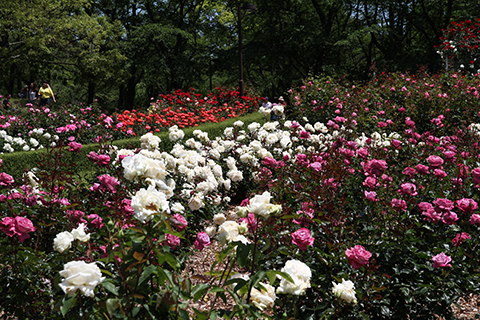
column 459, row 238
column 7, row 225
column 435, row 161
column 441, row 260
column 399, row 204
column 408, row 188
column 302, row 238
column 75, row 146
column 422, row 169
column 251, row 222
column 358, row 256
column 370, row 195
column 442, row 204
column 475, row 219
column 95, row 221
column 476, row 175
column 5, row 179
column 467, row 205
column 172, row 241
column 202, row 241
column 108, row 182
column 179, row 221
column 374, row 167
column 22, row 227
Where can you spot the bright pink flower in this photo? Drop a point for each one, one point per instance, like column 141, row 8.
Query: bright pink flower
column 5, row 179
column 7, row 225
column 179, row 221
column 398, row 204
column 202, row 241
column 108, row 182
column 95, row 221
column 449, row 217
column 304, row 135
column 475, row 219
column 251, row 221
column 435, row 161
column 371, row 196
column 408, row 188
column 358, row 256
column 172, row 241
column 441, row 260
column 422, row 169
column 317, row 166
column 22, row 227
column 475, row 174
column 467, row 205
column 459, row 238
column 374, row 167
column 371, row 183
column 442, row 204
column 409, row 171
column 75, row 216
column 100, row 159
column 75, row 146
column 302, row 238
column 439, row 173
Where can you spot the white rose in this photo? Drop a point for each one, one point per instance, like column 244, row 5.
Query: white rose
column 195, row 203
column 176, row 135
column 264, row 298
column 177, row 207
column 227, row 232
column 63, row 241
column 82, row 276
column 211, row 230
column 238, row 123
column 300, row 274
column 235, row 175
column 148, row 202
column 345, row 291
column 228, row 132
column 231, row 163
column 260, row 204
column 79, row 233
column 253, row 126
column 219, row 218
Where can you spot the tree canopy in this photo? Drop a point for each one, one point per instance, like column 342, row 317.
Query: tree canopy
column 124, row 52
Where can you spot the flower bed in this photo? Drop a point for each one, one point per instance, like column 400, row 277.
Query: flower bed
column 330, row 222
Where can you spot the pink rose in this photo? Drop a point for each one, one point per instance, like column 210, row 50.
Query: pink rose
column 475, row 219
column 374, row 167
column 439, row 173
column 408, row 188
column 398, row 204
column 172, row 241
column 5, row 179
column 441, row 260
column 371, row 196
column 358, row 256
column 370, row 182
column 7, row 225
column 435, row 161
column 179, row 221
column 442, row 204
column 75, row 146
column 251, row 221
column 422, row 169
column 302, row 238
column 459, row 238
column 202, row 240
column 22, row 227
column 449, row 217
column 95, row 221
column 108, row 182
column 467, row 205
column 476, row 175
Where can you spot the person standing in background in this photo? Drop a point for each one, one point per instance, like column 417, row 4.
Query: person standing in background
column 6, row 103
column 45, row 93
column 32, row 92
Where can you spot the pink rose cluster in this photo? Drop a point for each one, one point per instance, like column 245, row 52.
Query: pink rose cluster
column 302, row 238
column 358, row 256
column 19, row 226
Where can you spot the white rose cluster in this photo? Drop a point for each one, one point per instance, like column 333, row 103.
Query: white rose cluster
column 63, row 240
column 345, row 291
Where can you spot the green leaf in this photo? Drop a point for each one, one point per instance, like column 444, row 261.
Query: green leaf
column 68, row 302
column 146, row 273
column 172, row 260
column 200, row 315
column 272, row 275
column 110, row 287
column 184, row 315
column 242, row 254
column 199, row 291
column 112, row 304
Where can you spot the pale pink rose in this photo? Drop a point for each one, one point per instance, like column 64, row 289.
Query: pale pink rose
column 441, row 260
column 467, row 205
column 22, row 227
column 302, row 238
column 459, row 238
column 108, row 182
column 202, row 240
column 358, row 256
column 5, row 179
